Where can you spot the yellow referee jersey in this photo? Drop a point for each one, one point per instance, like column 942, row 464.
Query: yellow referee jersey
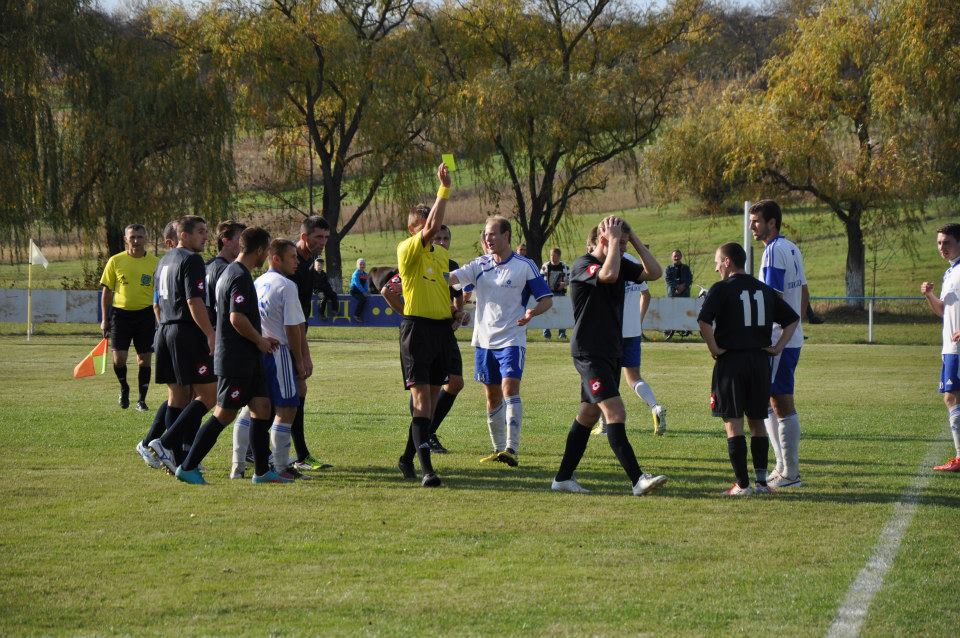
column 131, row 280
column 425, row 290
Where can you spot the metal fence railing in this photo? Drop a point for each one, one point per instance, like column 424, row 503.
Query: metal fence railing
column 872, row 302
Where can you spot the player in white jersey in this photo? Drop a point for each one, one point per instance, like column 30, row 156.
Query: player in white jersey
column 280, row 318
column 781, row 268
column 503, row 282
column 947, row 305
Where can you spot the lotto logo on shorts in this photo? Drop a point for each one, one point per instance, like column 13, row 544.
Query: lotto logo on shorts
column 713, row 401
column 595, row 386
column 202, row 369
column 235, row 393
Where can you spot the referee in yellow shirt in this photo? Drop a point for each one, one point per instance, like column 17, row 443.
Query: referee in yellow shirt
column 426, row 348
column 127, row 310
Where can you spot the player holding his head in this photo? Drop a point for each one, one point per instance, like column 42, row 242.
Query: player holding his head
column 636, row 296
column 736, row 322
column 947, row 305
column 781, row 268
column 503, row 282
column 597, row 284
column 237, row 361
column 127, row 284
column 185, row 341
column 425, row 331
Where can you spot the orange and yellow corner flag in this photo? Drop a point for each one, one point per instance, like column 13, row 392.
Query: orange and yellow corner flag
column 93, row 363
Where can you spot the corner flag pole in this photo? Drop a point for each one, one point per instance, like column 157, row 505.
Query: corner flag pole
column 747, row 237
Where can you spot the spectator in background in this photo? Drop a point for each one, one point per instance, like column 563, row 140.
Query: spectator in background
column 329, row 302
column 557, row 275
column 679, row 278
column 522, row 250
column 360, row 288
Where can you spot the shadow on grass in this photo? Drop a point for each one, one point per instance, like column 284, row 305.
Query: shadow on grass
column 699, row 484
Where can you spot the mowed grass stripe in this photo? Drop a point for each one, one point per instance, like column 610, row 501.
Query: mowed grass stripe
column 95, row 542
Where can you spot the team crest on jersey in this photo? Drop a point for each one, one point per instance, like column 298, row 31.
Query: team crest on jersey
column 238, row 299
column 596, row 386
column 202, row 369
column 235, row 393
column 592, row 269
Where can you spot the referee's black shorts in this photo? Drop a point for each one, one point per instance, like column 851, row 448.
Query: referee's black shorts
column 599, row 378
column 427, row 351
column 183, row 356
column 138, row 326
column 741, row 385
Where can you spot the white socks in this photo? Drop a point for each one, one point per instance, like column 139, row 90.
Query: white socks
column 790, row 445
column 955, row 427
column 644, row 392
column 241, row 440
column 280, row 442
column 514, row 416
column 497, row 424
column 773, row 432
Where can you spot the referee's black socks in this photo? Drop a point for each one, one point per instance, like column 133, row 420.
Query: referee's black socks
column 420, row 432
column 121, row 372
column 737, row 449
column 577, row 439
column 617, row 436
column 444, row 403
column 143, row 381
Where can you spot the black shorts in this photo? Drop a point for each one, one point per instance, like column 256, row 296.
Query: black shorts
column 741, row 385
column 235, row 392
column 599, row 378
column 426, row 351
column 456, row 361
column 183, row 356
column 138, row 326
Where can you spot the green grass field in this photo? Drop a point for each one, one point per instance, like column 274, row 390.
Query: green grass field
column 96, row 543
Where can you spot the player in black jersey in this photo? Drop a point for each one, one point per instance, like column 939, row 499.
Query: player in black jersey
column 597, row 283
column 736, row 322
column 228, row 247
column 238, row 362
column 314, row 233
column 185, row 340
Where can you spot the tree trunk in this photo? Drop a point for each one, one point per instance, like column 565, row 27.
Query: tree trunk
column 113, row 230
column 856, row 257
column 331, row 213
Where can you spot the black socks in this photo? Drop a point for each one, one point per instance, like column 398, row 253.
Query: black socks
column 420, row 433
column 296, row 433
column 577, row 439
column 444, row 403
column 737, row 449
column 143, row 381
column 759, row 450
column 206, row 439
column 617, row 436
column 158, row 426
column 121, row 372
column 260, row 441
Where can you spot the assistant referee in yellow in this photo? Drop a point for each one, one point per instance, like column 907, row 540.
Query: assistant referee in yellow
column 127, row 310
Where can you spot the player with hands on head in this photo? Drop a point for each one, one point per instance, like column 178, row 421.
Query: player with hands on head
column 597, row 288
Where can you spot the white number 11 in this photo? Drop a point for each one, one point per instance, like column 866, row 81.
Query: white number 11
column 758, row 299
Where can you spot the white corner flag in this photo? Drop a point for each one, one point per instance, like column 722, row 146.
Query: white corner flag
column 36, row 256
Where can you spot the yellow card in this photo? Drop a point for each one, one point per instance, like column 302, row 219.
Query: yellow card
column 449, row 161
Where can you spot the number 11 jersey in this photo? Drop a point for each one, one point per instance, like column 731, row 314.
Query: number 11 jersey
column 743, row 311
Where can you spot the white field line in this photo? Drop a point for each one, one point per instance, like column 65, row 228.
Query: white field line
column 849, row 619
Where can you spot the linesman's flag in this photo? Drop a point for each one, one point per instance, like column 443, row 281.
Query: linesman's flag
column 93, row 363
